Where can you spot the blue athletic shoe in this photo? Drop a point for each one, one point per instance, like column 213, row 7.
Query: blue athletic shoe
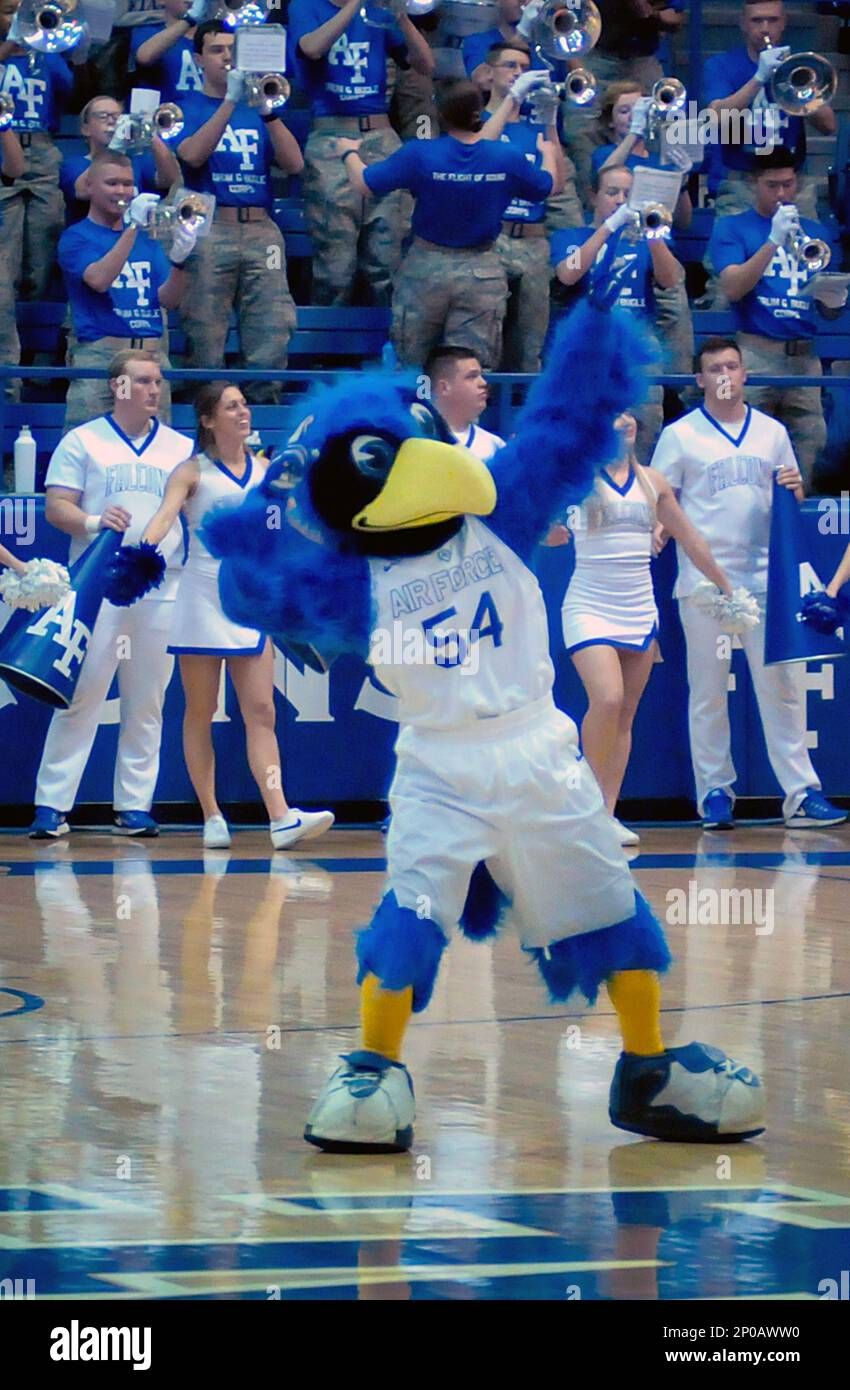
column 135, row 823
column 48, row 824
column 717, row 813
column 693, row 1094
column 814, row 810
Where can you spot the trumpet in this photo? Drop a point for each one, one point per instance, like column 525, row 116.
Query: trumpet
column 652, row 222
column 51, row 26
column 237, row 13
column 578, row 88
column 564, row 29
column 808, row 251
column 668, row 96
column 138, row 131
column 185, row 209
column 803, row 82
column 7, row 110
column 384, row 14
column 271, row 89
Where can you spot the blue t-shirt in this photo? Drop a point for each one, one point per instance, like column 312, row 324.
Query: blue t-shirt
column 40, row 91
column 475, row 48
column 726, row 73
column 461, row 190
column 175, row 74
column 238, row 170
column 523, row 137
column 632, row 161
column 632, row 258
column 130, row 307
column 144, row 178
column 774, row 307
column 351, row 78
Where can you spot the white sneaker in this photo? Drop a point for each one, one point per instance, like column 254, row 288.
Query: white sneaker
column 627, row 836
column 366, row 1106
column 300, row 825
column 216, row 833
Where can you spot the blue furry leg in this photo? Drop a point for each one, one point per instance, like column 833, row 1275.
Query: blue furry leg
column 401, row 948
column 485, row 904
column 584, row 962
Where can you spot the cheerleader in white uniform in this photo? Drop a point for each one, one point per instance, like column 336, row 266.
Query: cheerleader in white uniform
column 609, row 617
column 202, row 637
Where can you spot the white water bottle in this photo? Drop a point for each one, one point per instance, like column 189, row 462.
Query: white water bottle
column 25, row 452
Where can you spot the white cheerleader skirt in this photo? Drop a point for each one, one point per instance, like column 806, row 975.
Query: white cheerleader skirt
column 590, row 618
column 200, row 627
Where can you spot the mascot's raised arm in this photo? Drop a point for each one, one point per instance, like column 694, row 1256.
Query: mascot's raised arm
column 375, row 534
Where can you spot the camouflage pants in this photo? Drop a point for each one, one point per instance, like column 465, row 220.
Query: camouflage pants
column 88, row 398
column 33, row 212
column 800, row 410
column 675, row 328
column 240, row 265
column 449, row 295
column 526, row 264
column 564, row 209
column 10, row 344
column 413, row 109
column 650, row 418
column 351, row 233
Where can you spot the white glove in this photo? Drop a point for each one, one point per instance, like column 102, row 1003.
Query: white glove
column 528, row 17
column 122, row 132
column 785, row 220
column 139, row 212
column 14, row 35
column 829, row 290
column 640, row 112
column 235, row 86
column 526, row 84
column 679, row 158
column 621, row 218
column 182, row 244
column 768, row 63
column 544, row 103
column 197, row 11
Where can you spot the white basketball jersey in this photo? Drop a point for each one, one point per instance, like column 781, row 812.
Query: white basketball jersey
column 215, row 484
column 109, row 469
column 726, row 482
column 479, row 442
column 461, row 633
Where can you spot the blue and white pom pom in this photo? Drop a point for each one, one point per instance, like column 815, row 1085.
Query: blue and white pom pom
column 43, row 584
column 734, row 613
column 134, row 571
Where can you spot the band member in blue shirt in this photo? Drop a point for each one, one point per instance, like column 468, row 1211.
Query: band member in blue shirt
column 228, row 149
column 163, row 55
column 452, row 284
column 771, row 290
column 155, row 170
column 737, row 81
column 582, row 254
column 342, row 62
column 119, row 281
column 34, row 213
column 12, row 165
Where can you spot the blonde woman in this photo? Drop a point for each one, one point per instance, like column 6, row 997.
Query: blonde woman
column 202, row 636
column 609, row 617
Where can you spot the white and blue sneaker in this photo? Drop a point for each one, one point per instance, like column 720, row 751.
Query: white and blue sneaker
column 692, row 1094
column 366, row 1106
column 717, row 811
column 815, row 812
column 135, row 823
column 300, row 825
column 48, row 824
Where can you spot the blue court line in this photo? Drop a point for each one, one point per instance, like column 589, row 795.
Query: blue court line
column 29, row 1002
column 762, row 859
column 423, row 1023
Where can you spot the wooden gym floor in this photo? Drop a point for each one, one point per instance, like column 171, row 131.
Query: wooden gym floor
column 167, row 1016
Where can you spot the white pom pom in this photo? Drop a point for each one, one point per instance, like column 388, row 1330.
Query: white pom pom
column 733, row 613
column 43, row 584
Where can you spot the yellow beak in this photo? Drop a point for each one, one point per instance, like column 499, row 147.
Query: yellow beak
column 429, row 482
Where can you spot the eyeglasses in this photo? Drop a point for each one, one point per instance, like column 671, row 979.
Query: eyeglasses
column 103, row 115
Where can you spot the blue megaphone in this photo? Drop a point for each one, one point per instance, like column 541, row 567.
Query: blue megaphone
column 42, row 654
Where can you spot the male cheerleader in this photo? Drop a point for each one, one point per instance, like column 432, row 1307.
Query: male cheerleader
column 459, row 393
column 111, row 473
column 722, row 458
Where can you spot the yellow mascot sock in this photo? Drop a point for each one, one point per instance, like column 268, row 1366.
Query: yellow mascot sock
column 384, row 1016
column 636, row 995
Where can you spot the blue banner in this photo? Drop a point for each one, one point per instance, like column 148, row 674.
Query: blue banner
column 792, row 573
